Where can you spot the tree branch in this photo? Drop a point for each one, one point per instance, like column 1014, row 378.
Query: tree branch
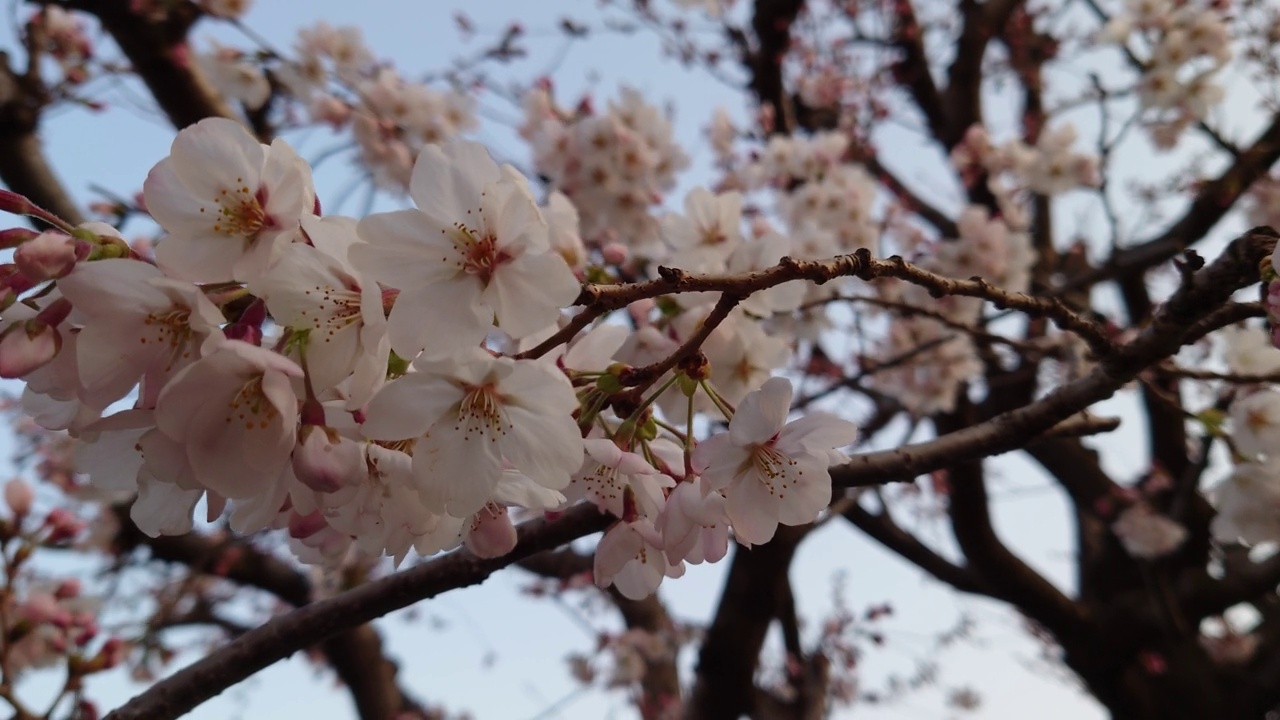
column 283, row 636
column 355, row 653
column 725, row 685
column 160, row 55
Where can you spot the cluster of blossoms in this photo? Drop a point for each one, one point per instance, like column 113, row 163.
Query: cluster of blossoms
column 1051, row 167
column 341, row 378
column 63, row 37
column 831, row 205
column 1186, row 45
column 614, row 166
column 1248, row 502
column 340, row 84
column 47, row 621
column 939, row 358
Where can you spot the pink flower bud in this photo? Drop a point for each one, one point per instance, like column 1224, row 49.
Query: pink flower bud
column 13, row 237
column 64, row 525
column 42, row 608
column 492, row 534
column 48, row 256
column 639, row 311
column 26, row 347
column 19, row 496
column 614, row 253
column 325, row 462
column 67, row 589
column 304, row 526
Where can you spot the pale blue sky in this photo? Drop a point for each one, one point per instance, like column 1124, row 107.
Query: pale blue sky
column 527, row 640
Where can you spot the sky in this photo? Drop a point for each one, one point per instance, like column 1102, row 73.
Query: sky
column 496, row 653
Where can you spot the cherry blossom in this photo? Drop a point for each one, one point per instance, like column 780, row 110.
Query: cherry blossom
column 227, row 202
column 137, row 324
column 469, row 414
column 1147, row 534
column 235, row 415
column 772, row 471
column 475, row 249
column 335, row 310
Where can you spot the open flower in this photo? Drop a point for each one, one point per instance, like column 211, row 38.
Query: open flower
column 471, row 414
column 312, row 289
column 227, row 201
column 137, row 323
column 475, row 249
column 235, row 415
column 772, row 471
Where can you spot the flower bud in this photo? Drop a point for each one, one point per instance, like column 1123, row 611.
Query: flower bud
column 26, row 347
column 614, row 253
column 19, row 496
column 47, row 256
column 492, row 534
column 13, row 237
column 325, row 462
column 304, row 526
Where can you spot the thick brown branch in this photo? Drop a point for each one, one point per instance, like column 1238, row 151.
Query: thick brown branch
column 771, row 22
column 660, row 686
column 881, row 528
column 355, row 654
column 159, row 54
column 23, row 166
column 1180, row 320
column 1212, row 201
column 283, row 636
column 1004, row 573
column 724, row 689
column 602, row 299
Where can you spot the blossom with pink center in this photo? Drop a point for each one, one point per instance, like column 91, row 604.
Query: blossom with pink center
column 469, row 415
column 235, row 415
column 312, row 289
column 772, row 471
column 474, row 251
column 227, row 202
column 607, row 472
column 694, row 524
column 137, row 324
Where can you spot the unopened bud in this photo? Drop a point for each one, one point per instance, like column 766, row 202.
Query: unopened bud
column 492, row 534
column 19, row 496
column 12, row 202
column 696, row 366
column 47, row 256
column 13, row 237
column 614, row 253
column 67, row 589
column 325, row 462
column 26, row 347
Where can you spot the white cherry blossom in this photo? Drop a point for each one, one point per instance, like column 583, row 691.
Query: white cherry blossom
column 473, row 251
column 772, row 471
column 607, row 473
column 137, row 324
column 227, row 202
column 1147, row 534
column 235, row 414
column 630, row 558
column 313, row 289
column 1248, row 505
column 472, row 413
column 1255, row 423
